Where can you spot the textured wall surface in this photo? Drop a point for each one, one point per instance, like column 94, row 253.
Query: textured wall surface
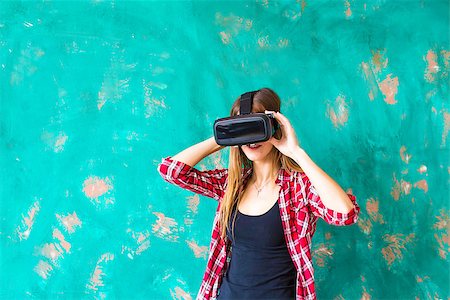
column 94, row 94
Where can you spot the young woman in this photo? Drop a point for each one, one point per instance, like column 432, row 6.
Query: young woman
column 269, row 200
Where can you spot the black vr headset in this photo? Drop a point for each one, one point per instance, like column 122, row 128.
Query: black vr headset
column 245, row 128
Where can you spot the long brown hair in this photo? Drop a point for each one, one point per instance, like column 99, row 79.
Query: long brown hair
column 264, row 99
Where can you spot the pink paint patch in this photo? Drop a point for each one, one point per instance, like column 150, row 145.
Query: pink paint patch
column 406, row 187
column 60, row 237
column 96, row 280
column 446, row 55
column 51, row 251
column 405, row 157
column 442, row 235
column 101, row 100
column 422, row 169
column 165, row 227
column 59, row 143
column 389, row 88
column 321, row 253
column 379, row 61
column 193, row 203
column 372, row 71
column 348, row 11
column 446, row 127
column 43, row 269
column 371, row 80
column 94, row 187
column 432, row 67
column 23, row 230
column 142, row 247
column 396, row 246
column 179, row 293
column 141, row 239
column 225, row 37
column 70, row 222
column 199, row 251
column 53, row 141
column 400, row 188
column 422, row 184
column 338, row 111
column 373, row 211
column 263, row 42
column 151, row 103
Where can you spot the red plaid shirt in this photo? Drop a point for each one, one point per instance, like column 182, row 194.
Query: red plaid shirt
column 300, row 207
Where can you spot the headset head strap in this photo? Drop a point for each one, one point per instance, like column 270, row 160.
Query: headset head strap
column 246, row 103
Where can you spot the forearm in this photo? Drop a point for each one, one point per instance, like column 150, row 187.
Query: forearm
column 331, row 194
column 195, row 153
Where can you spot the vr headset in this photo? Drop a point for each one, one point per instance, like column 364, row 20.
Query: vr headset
column 245, row 128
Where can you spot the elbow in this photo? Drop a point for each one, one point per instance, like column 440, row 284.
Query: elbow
column 351, row 217
column 163, row 170
column 342, row 218
column 170, row 170
column 174, row 171
column 347, row 209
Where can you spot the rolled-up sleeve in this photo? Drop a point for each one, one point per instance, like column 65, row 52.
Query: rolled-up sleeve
column 209, row 183
column 318, row 209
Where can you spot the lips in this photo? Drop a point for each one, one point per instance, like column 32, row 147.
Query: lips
column 253, row 146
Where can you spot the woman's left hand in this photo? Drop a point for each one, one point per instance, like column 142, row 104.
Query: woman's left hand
column 288, row 143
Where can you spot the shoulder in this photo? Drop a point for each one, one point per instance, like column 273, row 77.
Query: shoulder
column 293, row 176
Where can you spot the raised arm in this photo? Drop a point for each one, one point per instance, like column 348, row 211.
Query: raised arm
column 180, row 170
column 194, row 154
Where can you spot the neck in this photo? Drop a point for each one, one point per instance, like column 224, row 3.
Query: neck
column 263, row 171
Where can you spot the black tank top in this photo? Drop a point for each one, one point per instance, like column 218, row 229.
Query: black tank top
column 260, row 265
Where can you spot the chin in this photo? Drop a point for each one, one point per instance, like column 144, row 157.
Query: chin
column 261, row 151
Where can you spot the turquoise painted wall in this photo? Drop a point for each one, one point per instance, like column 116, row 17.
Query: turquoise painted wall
column 94, row 94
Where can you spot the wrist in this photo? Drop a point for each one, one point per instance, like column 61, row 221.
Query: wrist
column 213, row 144
column 299, row 155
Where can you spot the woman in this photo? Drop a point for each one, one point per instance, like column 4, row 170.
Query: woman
column 269, row 200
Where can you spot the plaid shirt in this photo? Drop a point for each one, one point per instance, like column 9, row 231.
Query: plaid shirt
column 300, row 207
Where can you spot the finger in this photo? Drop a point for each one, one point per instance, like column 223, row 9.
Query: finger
column 285, row 126
column 274, row 113
column 283, row 120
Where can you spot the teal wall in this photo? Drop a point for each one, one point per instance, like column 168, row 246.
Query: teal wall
column 94, row 94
